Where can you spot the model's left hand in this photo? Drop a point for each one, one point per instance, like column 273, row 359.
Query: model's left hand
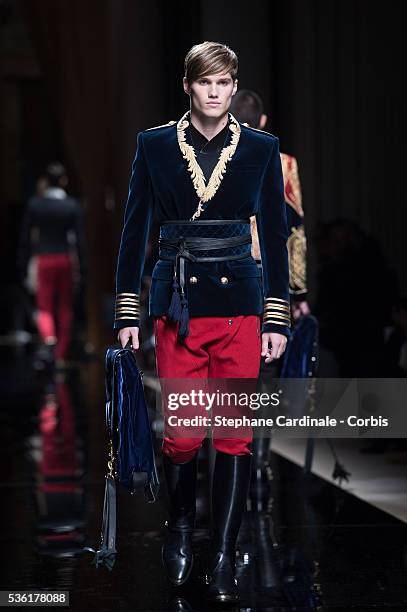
column 299, row 308
column 278, row 343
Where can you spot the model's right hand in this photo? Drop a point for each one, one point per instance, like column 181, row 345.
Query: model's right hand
column 129, row 333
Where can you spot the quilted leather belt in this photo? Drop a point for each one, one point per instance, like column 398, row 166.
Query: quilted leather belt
column 181, row 249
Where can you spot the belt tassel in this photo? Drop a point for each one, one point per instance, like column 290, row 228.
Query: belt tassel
column 183, row 331
column 174, row 311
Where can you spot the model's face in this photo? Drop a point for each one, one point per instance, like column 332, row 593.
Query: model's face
column 211, row 95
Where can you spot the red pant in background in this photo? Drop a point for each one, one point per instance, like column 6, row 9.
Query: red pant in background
column 55, row 299
column 217, row 347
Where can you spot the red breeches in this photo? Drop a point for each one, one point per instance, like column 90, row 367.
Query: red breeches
column 55, row 299
column 216, row 348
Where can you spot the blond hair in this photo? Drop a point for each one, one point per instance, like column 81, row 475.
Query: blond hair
column 209, row 58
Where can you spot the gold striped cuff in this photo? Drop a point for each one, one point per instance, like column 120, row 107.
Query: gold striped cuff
column 280, row 308
column 277, row 311
column 127, row 306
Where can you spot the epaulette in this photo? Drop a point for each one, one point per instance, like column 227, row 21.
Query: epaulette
column 258, row 130
column 161, row 126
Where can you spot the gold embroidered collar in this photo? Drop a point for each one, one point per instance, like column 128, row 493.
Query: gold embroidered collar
column 206, row 191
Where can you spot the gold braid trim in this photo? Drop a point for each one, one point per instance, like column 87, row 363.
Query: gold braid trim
column 277, row 311
column 206, row 192
column 155, row 127
column 297, row 249
column 127, row 306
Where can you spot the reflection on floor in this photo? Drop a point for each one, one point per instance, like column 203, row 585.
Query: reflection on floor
column 304, row 545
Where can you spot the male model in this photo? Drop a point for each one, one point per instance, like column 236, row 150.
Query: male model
column 203, row 177
column 247, row 107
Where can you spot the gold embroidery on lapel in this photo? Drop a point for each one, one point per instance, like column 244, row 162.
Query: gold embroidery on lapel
column 206, row 192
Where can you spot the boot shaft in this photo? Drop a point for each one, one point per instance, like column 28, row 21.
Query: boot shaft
column 230, row 486
column 181, row 488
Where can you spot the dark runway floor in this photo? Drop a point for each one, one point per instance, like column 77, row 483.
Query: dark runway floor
column 305, row 545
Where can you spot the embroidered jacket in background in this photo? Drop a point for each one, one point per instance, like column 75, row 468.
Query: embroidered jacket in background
column 296, row 244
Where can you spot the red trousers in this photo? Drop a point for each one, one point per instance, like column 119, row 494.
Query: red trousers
column 55, row 299
column 216, row 348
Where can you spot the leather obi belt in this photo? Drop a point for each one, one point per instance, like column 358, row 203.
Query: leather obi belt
column 199, row 241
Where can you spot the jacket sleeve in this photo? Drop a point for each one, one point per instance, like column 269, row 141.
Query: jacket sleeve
column 138, row 217
column 272, row 231
column 296, row 244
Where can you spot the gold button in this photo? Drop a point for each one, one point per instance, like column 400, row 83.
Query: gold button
column 224, row 280
column 193, row 279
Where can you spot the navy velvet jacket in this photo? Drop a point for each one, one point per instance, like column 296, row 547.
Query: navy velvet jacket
column 167, row 184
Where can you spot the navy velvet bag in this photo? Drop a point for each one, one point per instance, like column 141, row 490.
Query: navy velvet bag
column 131, row 458
column 300, row 363
column 301, row 354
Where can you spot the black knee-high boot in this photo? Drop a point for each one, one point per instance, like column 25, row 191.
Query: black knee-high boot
column 177, row 552
column 229, row 493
